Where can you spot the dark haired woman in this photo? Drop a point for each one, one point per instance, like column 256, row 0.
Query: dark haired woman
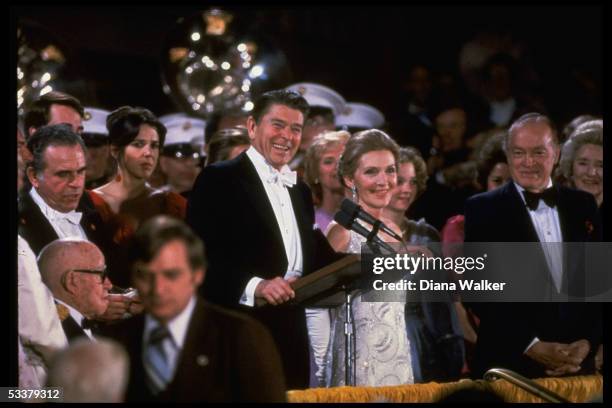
column 136, row 137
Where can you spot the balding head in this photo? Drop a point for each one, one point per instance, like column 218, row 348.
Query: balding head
column 73, row 270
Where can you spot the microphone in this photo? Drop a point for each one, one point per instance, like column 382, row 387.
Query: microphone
column 349, row 223
column 355, row 211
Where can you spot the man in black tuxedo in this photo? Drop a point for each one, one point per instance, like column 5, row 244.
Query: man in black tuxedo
column 184, row 349
column 257, row 223
column 55, row 207
column 535, row 339
column 75, row 272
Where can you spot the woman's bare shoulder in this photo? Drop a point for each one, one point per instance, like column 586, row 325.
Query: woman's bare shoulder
column 338, row 236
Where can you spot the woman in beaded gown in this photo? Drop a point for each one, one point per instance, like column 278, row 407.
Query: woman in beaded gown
column 368, row 167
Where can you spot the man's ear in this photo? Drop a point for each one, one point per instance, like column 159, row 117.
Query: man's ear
column 69, row 282
column 251, row 126
column 198, row 276
column 557, row 153
column 31, row 130
column 32, row 176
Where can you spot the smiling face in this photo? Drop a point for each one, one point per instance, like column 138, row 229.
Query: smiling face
column 167, row 282
column 587, row 169
column 375, row 178
column 328, row 168
column 532, row 154
column 277, row 135
column 62, row 181
column 139, row 158
column 406, row 190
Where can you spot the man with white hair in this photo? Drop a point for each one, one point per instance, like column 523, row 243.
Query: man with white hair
column 91, row 371
column 75, row 272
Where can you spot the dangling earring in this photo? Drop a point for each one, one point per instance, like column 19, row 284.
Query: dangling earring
column 354, row 191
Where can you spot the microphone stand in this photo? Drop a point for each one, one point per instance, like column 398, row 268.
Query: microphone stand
column 349, row 329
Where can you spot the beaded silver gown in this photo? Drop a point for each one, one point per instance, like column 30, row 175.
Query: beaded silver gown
column 382, row 349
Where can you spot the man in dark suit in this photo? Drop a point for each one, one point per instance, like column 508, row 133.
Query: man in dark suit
column 535, row 339
column 75, row 272
column 257, row 222
column 184, row 349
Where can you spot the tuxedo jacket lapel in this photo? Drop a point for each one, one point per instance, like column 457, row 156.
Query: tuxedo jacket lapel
column 524, row 231
column 305, row 228
column 33, row 225
column 72, row 329
column 256, row 196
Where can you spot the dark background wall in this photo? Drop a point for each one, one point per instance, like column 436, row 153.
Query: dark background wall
column 361, row 51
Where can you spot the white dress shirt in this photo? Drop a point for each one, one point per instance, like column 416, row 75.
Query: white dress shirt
column 278, row 196
column 66, row 225
column 78, row 318
column 40, row 330
column 177, row 327
column 546, row 222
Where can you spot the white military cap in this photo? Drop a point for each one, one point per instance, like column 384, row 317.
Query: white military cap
column 94, row 121
column 183, row 129
column 319, row 95
column 360, row 115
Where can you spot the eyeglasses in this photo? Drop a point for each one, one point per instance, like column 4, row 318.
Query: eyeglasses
column 103, row 272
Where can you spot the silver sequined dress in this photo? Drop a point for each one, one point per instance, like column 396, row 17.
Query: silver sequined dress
column 382, row 350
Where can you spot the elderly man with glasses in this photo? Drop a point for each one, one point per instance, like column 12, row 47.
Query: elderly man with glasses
column 75, row 272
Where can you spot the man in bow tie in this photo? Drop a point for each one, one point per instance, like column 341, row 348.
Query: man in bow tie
column 55, row 206
column 257, row 222
column 536, row 339
column 75, row 272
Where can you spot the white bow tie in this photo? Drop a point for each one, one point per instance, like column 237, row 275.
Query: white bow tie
column 73, row 217
column 287, row 177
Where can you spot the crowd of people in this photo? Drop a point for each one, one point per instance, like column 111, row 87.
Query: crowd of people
column 170, row 244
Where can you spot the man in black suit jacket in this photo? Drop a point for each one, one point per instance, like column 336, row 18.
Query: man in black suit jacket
column 56, row 201
column 535, row 339
column 75, row 272
column 257, row 223
column 209, row 353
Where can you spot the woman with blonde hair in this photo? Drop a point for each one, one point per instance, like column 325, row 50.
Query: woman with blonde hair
column 321, row 174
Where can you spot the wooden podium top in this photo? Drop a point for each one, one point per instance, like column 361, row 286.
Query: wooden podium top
column 324, row 288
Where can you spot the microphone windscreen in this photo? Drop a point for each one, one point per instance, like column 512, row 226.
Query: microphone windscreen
column 343, row 219
column 348, row 206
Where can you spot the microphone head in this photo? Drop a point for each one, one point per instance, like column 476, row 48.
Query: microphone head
column 349, row 207
column 344, row 219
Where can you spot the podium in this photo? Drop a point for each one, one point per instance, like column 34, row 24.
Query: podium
column 332, row 286
column 327, row 286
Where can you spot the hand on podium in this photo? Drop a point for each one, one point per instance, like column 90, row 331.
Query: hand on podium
column 275, row 291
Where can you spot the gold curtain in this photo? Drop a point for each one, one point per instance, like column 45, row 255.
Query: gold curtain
column 576, row 389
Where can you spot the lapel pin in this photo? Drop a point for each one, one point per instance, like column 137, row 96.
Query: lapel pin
column 202, row 360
